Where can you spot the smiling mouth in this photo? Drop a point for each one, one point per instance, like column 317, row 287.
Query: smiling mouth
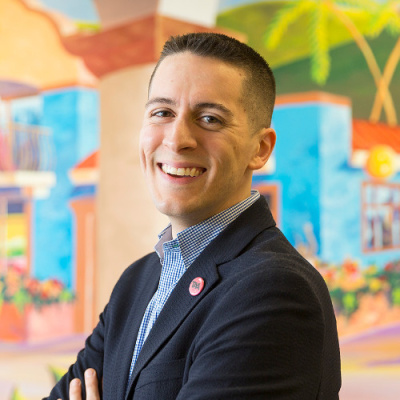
column 192, row 172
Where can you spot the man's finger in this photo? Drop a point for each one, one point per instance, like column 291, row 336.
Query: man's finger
column 91, row 384
column 75, row 389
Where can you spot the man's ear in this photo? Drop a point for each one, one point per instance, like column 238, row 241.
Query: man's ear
column 266, row 143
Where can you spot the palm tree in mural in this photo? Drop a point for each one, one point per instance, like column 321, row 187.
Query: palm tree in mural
column 16, row 395
column 319, row 11
column 386, row 18
column 318, row 38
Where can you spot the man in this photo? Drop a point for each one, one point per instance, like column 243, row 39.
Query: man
column 225, row 308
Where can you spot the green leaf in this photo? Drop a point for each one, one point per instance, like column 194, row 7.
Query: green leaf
column 367, row 5
column 396, row 297
column 1, row 293
column 16, row 395
column 57, row 373
column 350, row 302
column 320, row 60
column 283, row 19
column 386, row 17
column 66, row 296
column 20, row 299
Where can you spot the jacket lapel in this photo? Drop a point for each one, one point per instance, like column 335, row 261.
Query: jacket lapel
column 180, row 303
column 177, row 307
column 131, row 329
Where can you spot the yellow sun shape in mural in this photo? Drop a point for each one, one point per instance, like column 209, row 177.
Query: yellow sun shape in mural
column 381, row 162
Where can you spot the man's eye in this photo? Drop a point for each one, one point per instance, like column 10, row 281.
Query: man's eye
column 209, row 119
column 162, row 114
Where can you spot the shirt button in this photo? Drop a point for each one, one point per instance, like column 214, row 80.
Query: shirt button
column 196, row 286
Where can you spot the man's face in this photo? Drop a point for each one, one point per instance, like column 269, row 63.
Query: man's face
column 197, row 151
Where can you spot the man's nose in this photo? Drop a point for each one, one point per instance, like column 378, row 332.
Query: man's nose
column 180, row 135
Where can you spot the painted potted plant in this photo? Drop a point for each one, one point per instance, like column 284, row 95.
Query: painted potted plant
column 34, row 310
column 363, row 297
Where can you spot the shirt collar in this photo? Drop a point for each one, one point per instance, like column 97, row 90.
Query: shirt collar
column 164, row 236
column 193, row 240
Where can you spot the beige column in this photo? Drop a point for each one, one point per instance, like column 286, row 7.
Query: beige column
column 128, row 222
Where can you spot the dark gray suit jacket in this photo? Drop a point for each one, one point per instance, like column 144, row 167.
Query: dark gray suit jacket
column 262, row 328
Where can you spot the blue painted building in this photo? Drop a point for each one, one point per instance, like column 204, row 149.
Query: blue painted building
column 71, row 116
column 321, row 185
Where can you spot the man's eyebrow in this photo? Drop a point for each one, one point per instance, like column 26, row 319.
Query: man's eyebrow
column 160, row 100
column 168, row 101
column 217, row 106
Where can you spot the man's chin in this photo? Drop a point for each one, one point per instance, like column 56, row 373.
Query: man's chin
column 174, row 210
column 182, row 212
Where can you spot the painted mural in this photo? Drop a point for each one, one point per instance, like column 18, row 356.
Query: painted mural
column 333, row 183
column 48, row 129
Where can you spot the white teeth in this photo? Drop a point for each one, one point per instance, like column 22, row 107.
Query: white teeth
column 193, row 172
column 169, row 170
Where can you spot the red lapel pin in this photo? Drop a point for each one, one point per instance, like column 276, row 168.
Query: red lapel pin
column 196, row 286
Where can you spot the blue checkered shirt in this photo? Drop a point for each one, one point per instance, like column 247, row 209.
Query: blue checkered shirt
column 177, row 255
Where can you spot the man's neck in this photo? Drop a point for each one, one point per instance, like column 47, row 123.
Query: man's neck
column 179, row 224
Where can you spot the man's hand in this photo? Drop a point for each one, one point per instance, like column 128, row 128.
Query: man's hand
column 91, row 385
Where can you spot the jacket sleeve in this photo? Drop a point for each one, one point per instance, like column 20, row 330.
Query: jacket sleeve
column 91, row 356
column 264, row 341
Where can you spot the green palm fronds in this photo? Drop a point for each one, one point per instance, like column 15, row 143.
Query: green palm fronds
column 317, row 34
column 16, row 395
column 367, row 12
column 283, row 19
column 320, row 60
column 57, row 373
column 367, row 5
column 386, row 17
column 360, row 18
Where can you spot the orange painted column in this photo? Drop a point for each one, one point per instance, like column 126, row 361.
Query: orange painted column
column 85, row 272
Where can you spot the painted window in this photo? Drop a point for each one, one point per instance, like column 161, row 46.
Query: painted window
column 272, row 195
column 381, row 216
column 13, row 234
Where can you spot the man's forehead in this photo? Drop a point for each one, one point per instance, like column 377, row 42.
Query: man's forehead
column 206, row 74
column 173, row 60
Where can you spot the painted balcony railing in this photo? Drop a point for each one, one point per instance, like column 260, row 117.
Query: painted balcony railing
column 26, row 148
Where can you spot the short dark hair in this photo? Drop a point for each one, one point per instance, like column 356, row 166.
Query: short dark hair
column 259, row 86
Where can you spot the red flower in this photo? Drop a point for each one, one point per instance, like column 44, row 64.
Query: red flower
column 33, row 286
column 350, row 267
column 389, row 267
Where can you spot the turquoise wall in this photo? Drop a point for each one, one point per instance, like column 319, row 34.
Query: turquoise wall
column 72, row 115
column 318, row 185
